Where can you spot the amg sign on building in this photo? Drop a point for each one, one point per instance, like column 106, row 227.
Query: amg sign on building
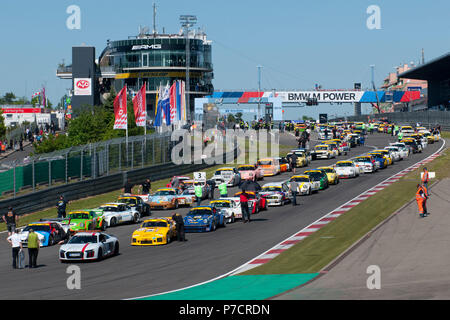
column 321, row 96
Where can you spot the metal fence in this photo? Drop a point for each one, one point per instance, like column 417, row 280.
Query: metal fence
column 85, row 162
column 425, row 118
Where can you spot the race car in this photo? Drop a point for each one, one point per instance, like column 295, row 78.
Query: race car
column 403, row 149
column 187, row 197
column 324, row 151
column 388, row 155
column 117, row 213
column 302, row 152
column 48, row 232
column 154, row 232
column 381, row 160
column 255, row 201
column 412, row 143
column 346, row 169
column 249, row 171
column 84, row 220
column 190, row 185
column 164, row 198
column 230, row 176
column 334, row 147
column 302, row 158
column 275, row 193
column 331, row 174
column 203, row 219
column 395, row 151
column 306, row 186
column 230, row 208
column 270, row 166
column 89, row 246
column 366, row 163
column 284, row 164
column 318, row 175
column 137, row 203
column 175, row 181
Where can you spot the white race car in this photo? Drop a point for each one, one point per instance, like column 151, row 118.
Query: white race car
column 230, row 208
column 89, row 246
column 275, row 193
column 230, row 176
column 306, row 186
column 117, row 213
column 395, row 151
column 366, row 164
column 346, row 169
column 403, row 149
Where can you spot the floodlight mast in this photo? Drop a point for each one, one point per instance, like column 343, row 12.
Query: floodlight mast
column 187, row 21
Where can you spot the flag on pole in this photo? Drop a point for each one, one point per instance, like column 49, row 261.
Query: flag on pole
column 140, row 107
column 173, row 102
column 183, row 101
column 120, row 110
column 158, row 110
column 165, row 104
column 178, row 100
column 43, row 97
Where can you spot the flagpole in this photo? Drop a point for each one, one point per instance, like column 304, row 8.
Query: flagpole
column 126, row 128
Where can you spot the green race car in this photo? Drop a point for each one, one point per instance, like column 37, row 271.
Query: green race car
column 318, row 175
column 84, row 220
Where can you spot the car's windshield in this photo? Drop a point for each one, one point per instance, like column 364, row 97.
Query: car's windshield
column 221, row 204
column 78, row 216
column 327, row 170
column 265, row 162
column 43, row 227
column 128, row 201
column 165, row 193
column 200, row 212
column 83, row 239
column 271, row 188
column 344, row 164
column 188, row 191
column 246, row 168
column 150, row 224
column 300, row 179
column 362, row 159
column 110, row 208
column 321, row 148
column 220, row 172
column 315, row 175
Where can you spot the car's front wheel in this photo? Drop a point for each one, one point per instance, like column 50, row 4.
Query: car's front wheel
column 136, row 218
column 116, row 249
column 112, row 222
column 100, row 254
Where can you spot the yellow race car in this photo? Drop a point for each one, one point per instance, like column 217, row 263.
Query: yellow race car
column 331, row 174
column 154, row 232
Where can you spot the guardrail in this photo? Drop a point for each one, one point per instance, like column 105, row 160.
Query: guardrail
column 47, row 198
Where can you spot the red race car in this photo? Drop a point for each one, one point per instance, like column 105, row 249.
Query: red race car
column 258, row 203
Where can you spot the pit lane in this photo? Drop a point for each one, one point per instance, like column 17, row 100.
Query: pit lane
column 139, row 271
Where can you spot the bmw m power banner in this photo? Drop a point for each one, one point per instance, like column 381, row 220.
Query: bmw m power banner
column 140, row 107
column 120, row 109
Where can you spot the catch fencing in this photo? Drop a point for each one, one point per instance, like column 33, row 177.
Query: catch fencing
column 85, row 162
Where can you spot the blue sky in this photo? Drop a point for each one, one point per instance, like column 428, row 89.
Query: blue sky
column 298, row 43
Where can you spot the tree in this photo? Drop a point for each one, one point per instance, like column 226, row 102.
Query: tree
column 231, row 118
column 2, row 124
column 9, row 97
column 238, row 116
column 109, row 103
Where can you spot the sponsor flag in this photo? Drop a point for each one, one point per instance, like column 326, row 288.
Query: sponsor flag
column 173, row 102
column 165, row 104
column 140, row 107
column 120, row 110
column 158, row 110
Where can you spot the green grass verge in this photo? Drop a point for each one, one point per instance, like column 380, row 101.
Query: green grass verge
column 445, row 134
column 95, row 201
column 316, row 251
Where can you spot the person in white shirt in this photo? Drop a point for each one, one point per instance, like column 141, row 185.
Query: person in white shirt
column 16, row 244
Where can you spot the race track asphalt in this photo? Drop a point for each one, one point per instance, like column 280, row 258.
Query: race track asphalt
column 140, row 271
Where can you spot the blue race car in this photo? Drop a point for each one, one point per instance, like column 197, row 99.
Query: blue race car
column 379, row 159
column 203, row 219
column 49, row 233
